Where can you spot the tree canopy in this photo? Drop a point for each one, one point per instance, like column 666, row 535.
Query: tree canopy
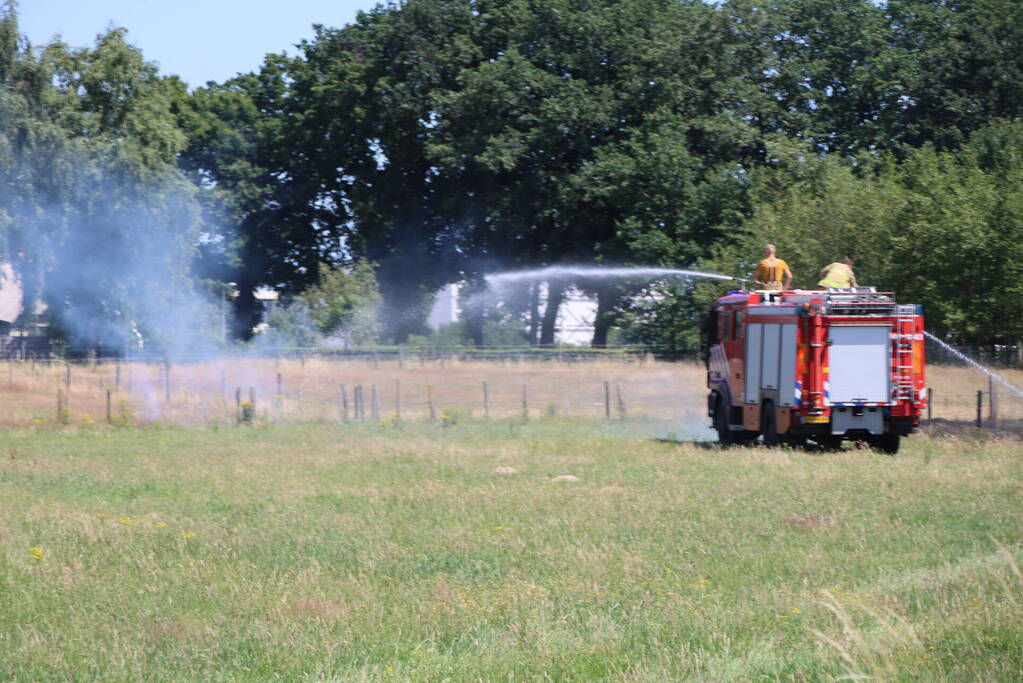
column 443, row 139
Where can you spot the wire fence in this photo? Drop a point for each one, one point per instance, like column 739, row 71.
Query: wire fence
column 384, row 389
column 389, row 389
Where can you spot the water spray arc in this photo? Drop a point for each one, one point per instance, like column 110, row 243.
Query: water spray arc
column 594, row 273
column 974, row 364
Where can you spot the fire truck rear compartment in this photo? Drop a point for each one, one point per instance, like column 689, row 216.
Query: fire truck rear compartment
column 860, row 368
column 859, row 373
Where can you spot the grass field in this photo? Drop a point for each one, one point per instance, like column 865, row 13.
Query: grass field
column 428, row 551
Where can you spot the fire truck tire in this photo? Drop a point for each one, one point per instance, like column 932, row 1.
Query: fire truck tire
column 768, row 424
column 886, row 443
column 726, row 437
column 794, row 441
column 829, row 442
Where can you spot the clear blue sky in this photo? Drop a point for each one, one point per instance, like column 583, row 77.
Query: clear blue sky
column 199, row 40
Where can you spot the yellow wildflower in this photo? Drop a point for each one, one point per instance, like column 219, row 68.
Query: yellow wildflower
column 160, row 525
column 187, row 534
column 37, row 552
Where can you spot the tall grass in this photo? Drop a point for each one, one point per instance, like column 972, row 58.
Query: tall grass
column 402, row 551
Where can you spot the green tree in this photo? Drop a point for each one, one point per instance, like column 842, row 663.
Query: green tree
column 94, row 216
column 963, row 68
column 365, row 98
column 346, row 301
column 542, row 138
column 271, row 226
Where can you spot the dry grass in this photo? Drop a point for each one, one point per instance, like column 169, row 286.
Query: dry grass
column 310, row 390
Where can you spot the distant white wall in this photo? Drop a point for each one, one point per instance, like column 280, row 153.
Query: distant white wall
column 575, row 319
column 575, row 316
column 445, row 307
column 10, row 294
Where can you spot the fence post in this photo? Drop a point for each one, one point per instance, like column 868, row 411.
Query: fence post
column 930, row 402
column 344, row 403
column 67, row 376
column 252, row 400
column 60, row 405
column 358, row 402
column 486, row 400
column 374, row 403
column 980, row 407
column 607, row 400
column 429, row 398
column 621, row 402
column 397, row 398
column 110, row 417
column 992, row 400
column 525, row 401
column 166, row 382
column 117, row 373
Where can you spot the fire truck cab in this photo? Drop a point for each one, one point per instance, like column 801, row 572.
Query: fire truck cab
column 819, row 365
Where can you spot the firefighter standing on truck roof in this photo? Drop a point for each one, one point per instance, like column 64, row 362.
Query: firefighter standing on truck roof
column 838, row 274
column 771, row 270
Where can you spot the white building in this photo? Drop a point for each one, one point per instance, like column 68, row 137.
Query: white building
column 445, row 307
column 575, row 316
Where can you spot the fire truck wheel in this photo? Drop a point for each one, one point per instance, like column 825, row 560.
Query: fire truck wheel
column 768, row 426
column 726, row 436
column 794, row 441
column 886, row 443
column 828, row 442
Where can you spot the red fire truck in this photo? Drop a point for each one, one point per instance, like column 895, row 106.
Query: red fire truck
column 824, row 366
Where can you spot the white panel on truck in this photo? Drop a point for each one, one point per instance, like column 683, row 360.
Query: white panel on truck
column 787, row 376
column 859, row 364
column 754, row 343
column 772, row 356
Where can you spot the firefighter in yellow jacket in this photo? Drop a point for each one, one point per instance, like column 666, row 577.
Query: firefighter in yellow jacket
column 771, row 270
column 838, row 274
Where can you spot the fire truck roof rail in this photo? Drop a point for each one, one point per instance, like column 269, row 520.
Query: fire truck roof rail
column 859, row 301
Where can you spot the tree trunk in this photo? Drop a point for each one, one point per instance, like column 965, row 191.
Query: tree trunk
column 246, row 310
column 475, row 311
column 555, row 295
column 534, row 313
column 405, row 309
column 608, row 299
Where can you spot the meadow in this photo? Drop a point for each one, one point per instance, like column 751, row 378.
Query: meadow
column 562, row 546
